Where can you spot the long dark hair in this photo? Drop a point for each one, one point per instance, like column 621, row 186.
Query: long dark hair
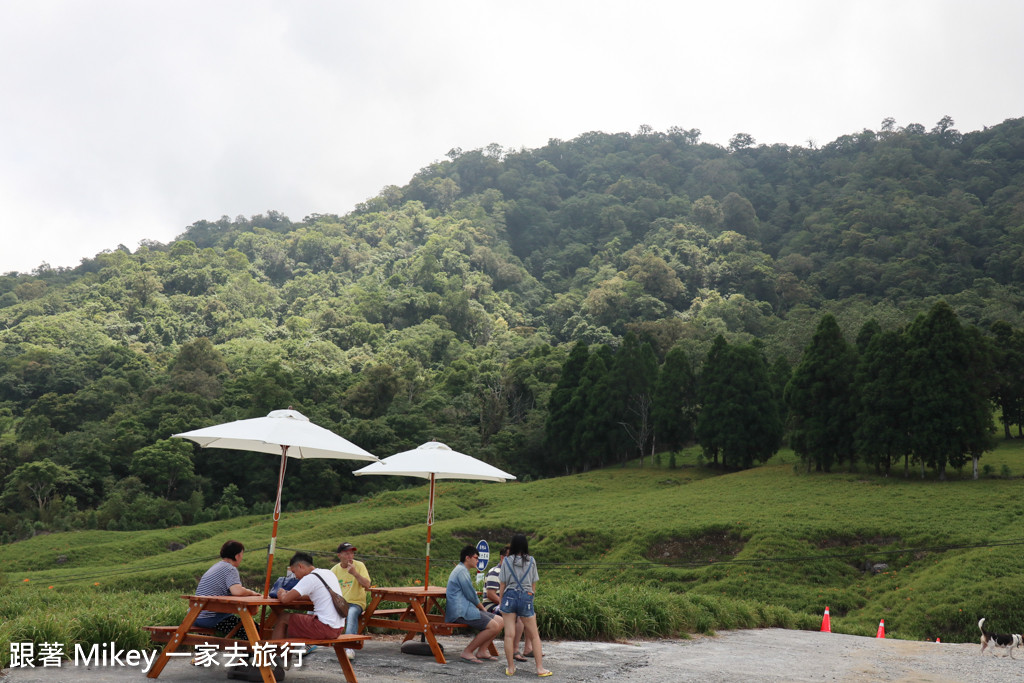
column 519, row 546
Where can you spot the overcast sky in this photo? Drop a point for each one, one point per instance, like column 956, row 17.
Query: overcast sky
column 126, row 120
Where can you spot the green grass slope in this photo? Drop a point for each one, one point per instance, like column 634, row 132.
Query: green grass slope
column 623, row 552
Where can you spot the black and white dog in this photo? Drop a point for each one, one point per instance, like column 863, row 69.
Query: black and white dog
column 994, row 640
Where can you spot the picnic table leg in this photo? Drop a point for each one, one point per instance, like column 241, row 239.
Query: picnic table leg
column 194, row 609
column 409, row 615
column 252, row 632
column 368, row 612
column 346, row 663
column 428, row 632
column 429, row 605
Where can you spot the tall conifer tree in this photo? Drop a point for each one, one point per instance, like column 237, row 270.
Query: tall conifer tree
column 820, row 399
column 596, row 434
column 634, row 374
column 563, row 414
column 674, row 405
column 883, row 401
column 951, row 414
column 1008, row 360
column 739, row 417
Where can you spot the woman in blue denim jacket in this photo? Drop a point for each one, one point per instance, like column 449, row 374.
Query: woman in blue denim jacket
column 517, row 583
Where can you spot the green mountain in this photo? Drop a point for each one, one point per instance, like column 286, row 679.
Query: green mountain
column 446, row 309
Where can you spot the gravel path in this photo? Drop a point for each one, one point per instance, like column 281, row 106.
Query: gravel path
column 751, row 655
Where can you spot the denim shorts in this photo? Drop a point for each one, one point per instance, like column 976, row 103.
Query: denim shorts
column 517, row 602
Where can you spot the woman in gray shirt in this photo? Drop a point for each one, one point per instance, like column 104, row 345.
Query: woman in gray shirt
column 517, row 583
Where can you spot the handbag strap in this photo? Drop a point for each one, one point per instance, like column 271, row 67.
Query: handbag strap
column 330, row 591
column 512, row 571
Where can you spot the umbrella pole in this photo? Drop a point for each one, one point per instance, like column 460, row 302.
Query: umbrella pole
column 430, row 523
column 273, row 534
column 277, row 516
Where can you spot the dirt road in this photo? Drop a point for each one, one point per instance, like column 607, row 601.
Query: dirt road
column 752, row 655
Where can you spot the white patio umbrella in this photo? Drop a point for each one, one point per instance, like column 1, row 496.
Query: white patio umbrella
column 434, row 460
column 287, row 432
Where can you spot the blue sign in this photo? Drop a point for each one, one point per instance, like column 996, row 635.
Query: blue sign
column 485, row 554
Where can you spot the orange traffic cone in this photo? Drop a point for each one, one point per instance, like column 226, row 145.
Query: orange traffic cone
column 826, row 623
column 881, row 629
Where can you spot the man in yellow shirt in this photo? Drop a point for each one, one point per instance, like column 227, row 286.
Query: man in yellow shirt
column 354, row 581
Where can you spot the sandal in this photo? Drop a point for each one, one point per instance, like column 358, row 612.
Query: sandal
column 510, row 672
column 519, row 658
column 546, row 673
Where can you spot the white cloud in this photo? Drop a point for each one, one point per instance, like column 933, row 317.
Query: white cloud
column 122, row 121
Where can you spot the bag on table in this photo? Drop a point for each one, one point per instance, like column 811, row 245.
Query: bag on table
column 283, row 583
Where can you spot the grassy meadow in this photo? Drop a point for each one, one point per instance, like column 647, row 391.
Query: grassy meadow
column 624, row 552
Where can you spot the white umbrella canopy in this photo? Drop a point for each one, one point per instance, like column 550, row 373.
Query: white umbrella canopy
column 434, row 460
column 287, row 432
column 288, row 428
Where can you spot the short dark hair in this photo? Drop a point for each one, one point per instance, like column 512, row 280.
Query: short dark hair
column 301, row 558
column 519, row 546
column 230, row 549
column 466, row 552
column 504, row 551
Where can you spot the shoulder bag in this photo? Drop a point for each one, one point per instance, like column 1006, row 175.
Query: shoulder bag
column 340, row 603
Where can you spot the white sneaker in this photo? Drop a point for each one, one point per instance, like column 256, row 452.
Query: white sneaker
column 351, row 654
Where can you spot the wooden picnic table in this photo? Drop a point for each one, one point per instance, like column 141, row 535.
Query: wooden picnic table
column 249, row 634
column 422, row 614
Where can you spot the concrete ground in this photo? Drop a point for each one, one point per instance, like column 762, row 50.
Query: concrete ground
column 775, row 655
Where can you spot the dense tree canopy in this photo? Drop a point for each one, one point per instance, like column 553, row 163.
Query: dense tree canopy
column 487, row 304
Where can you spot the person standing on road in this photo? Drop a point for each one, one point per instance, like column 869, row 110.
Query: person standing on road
column 355, row 581
column 518, row 582
column 492, row 603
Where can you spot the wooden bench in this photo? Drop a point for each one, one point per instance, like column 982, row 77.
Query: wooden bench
column 194, row 636
column 199, row 636
column 162, row 634
column 440, row 628
column 392, row 612
column 340, row 644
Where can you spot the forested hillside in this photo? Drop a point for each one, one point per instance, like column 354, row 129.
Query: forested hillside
column 451, row 309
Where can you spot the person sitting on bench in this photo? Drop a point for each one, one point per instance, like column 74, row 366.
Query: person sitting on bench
column 223, row 579
column 462, row 606
column 325, row 623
